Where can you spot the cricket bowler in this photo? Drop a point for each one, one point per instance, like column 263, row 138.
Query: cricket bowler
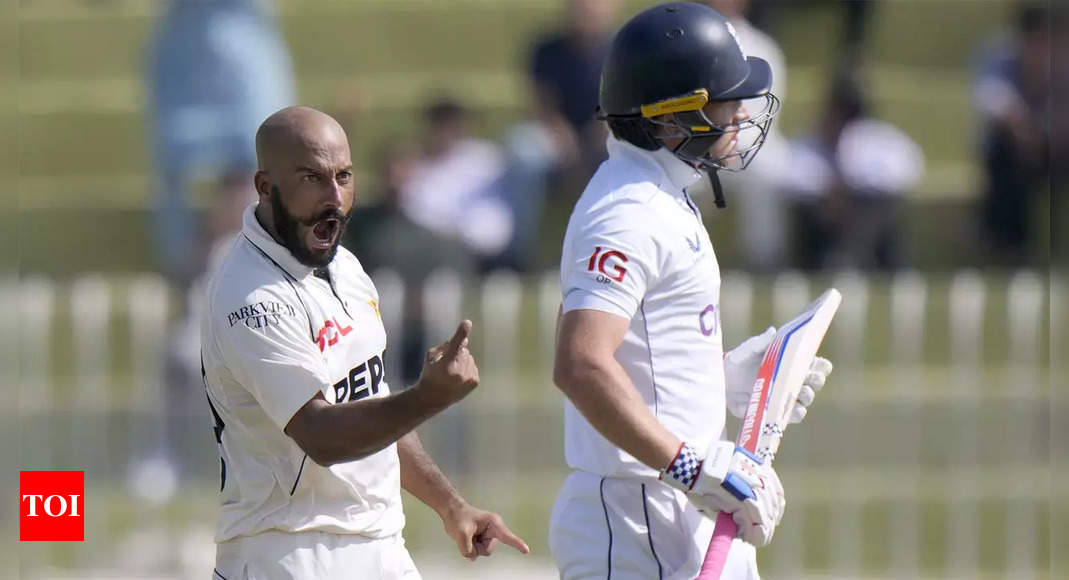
column 639, row 350
column 314, row 446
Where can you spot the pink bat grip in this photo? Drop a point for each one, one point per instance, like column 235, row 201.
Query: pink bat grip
column 723, row 533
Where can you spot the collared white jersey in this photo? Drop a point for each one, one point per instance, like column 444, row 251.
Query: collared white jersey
column 636, row 247
column 273, row 335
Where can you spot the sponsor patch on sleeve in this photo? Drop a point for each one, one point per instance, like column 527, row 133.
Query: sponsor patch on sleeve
column 260, row 315
column 607, row 264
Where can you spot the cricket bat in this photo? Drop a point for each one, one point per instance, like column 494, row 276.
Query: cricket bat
column 779, row 379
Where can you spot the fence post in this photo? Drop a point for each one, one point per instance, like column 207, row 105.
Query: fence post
column 90, row 311
column 37, row 305
column 909, row 300
column 153, row 477
column 549, row 302
column 1024, row 309
column 499, row 404
column 850, row 329
column 967, row 296
column 790, row 294
column 443, row 299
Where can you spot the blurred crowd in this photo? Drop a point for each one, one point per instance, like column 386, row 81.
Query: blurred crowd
column 830, row 197
column 835, row 196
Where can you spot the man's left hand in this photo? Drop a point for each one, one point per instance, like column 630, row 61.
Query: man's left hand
column 740, row 371
column 477, row 532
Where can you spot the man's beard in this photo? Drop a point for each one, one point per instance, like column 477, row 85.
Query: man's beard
column 286, row 226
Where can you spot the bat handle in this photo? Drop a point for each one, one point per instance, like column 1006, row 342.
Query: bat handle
column 723, row 533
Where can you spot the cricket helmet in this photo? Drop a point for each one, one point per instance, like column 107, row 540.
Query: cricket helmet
column 675, row 58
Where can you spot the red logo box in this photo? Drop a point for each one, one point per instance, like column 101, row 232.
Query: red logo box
column 51, row 506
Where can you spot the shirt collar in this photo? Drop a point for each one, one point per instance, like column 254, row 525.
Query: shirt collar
column 676, row 172
column 251, row 228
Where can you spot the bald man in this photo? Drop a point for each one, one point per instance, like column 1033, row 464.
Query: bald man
column 314, row 448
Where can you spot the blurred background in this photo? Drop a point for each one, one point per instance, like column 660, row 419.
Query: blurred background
column 912, row 167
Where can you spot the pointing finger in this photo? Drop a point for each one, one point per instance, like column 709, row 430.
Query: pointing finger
column 503, row 533
column 459, row 340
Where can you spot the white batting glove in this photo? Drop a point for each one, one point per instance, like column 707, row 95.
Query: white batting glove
column 733, row 481
column 740, row 371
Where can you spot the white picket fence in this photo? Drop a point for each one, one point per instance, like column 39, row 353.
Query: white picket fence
column 70, row 365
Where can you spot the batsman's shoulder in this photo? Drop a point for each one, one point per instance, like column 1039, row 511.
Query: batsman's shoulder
column 627, row 210
column 628, row 201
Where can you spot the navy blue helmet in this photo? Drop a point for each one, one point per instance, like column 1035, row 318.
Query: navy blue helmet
column 675, row 58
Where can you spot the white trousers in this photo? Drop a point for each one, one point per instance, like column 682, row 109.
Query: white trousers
column 632, row 529
column 313, row 555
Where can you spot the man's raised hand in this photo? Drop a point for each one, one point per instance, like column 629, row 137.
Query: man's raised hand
column 449, row 372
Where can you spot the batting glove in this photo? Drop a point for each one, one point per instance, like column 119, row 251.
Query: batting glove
column 740, row 371
column 730, row 480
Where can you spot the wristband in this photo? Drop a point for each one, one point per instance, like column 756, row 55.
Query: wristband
column 682, row 472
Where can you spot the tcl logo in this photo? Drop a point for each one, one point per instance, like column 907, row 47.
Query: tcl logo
column 600, row 261
column 51, row 504
column 330, row 333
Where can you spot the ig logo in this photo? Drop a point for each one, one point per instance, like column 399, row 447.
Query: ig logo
column 599, row 263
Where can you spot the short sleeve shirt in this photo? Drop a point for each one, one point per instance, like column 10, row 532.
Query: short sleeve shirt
column 636, row 247
column 274, row 335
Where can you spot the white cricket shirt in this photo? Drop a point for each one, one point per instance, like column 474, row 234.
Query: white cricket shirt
column 273, row 335
column 636, row 247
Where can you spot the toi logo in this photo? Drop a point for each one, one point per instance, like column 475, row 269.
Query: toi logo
column 51, row 506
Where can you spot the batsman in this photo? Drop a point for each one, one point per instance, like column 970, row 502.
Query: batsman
column 639, row 351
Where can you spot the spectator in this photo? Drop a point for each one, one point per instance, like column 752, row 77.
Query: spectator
column 563, row 142
column 385, row 238
column 855, row 22
column 451, row 190
column 847, row 180
column 762, row 214
column 1059, row 131
column 565, row 71
column 1012, row 99
column 216, row 69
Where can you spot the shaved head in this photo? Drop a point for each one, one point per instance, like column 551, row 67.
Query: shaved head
column 296, row 128
column 304, row 182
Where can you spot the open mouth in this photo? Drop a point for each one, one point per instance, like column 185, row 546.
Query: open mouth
column 324, row 233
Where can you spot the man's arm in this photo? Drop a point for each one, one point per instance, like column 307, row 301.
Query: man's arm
column 341, row 432
column 421, row 477
column 587, row 372
column 474, row 530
